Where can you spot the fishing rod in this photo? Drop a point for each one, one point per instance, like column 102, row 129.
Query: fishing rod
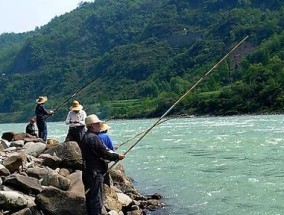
column 112, row 117
column 182, row 97
column 79, row 90
column 131, row 138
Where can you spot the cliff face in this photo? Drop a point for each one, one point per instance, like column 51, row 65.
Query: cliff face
column 38, row 177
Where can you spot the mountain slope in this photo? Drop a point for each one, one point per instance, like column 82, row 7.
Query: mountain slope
column 142, row 55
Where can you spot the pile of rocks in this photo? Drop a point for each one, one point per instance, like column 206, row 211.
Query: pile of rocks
column 46, row 178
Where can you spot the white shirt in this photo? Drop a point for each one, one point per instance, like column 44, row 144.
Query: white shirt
column 79, row 118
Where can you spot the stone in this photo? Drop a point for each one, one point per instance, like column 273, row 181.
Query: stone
column 55, row 201
column 124, row 199
column 64, row 172
column 69, row 153
column 37, row 172
column 14, row 161
column 12, row 200
column 22, row 136
column 18, row 143
column 4, row 171
column 5, row 144
column 34, row 149
column 28, row 211
column 55, row 180
column 76, row 183
column 51, row 161
column 9, row 136
column 23, row 183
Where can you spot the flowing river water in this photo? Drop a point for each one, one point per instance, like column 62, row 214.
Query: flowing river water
column 202, row 165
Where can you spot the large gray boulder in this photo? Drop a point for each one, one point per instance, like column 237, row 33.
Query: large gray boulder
column 55, row 180
column 12, row 200
column 14, row 161
column 9, row 136
column 34, row 149
column 28, row 211
column 51, row 161
column 69, row 153
column 4, row 144
column 23, row 183
column 76, row 185
column 37, row 172
column 4, row 171
column 55, row 201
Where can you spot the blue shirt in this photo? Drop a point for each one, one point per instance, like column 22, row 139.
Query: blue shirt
column 106, row 140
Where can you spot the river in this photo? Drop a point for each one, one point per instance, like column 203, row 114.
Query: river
column 202, row 165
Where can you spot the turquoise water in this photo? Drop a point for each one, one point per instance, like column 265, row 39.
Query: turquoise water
column 203, row 166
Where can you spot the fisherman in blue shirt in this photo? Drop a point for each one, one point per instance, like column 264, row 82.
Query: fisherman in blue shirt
column 105, row 138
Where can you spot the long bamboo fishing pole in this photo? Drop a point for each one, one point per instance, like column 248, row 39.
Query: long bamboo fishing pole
column 133, row 137
column 137, row 135
column 181, row 98
column 79, row 90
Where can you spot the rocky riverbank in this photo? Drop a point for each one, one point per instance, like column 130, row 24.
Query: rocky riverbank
column 45, row 178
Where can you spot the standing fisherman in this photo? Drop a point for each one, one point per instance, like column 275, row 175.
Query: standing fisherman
column 76, row 121
column 41, row 114
column 94, row 154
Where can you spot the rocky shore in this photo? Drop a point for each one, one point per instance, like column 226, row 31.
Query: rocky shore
column 45, row 178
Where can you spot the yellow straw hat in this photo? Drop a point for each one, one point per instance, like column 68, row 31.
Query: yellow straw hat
column 41, row 99
column 92, row 119
column 105, row 127
column 76, row 106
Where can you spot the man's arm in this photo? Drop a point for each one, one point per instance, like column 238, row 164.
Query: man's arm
column 103, row 153
column 68, row 119
column 83, row 117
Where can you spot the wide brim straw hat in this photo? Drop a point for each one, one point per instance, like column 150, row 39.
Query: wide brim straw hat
column 41, row 99
column 76, row 106
column 104, row 127
column 92, row 119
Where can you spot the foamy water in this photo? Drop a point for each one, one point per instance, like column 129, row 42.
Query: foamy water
column 204, row 166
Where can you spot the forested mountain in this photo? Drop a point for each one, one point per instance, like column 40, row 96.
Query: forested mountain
column 140, row 56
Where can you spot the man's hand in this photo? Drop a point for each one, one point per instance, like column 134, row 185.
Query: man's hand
column 74, row 122
column 121, row 156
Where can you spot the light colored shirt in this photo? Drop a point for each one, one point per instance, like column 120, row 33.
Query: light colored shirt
column 79, row 118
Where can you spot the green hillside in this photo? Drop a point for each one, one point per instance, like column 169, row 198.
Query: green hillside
column 141, row 56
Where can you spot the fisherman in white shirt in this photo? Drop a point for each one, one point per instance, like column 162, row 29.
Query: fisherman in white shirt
column 76, row 121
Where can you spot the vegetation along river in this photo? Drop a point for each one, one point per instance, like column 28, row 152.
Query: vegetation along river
column 203, row 166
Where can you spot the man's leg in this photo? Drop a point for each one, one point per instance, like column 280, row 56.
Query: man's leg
column 69, row 136
column 40, row 126
column 96, row 194
column 44, row 131
column 80, row 133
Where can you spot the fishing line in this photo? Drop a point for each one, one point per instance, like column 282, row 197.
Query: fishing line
column 182, row 97
column 131, row 138
column 64, row 102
